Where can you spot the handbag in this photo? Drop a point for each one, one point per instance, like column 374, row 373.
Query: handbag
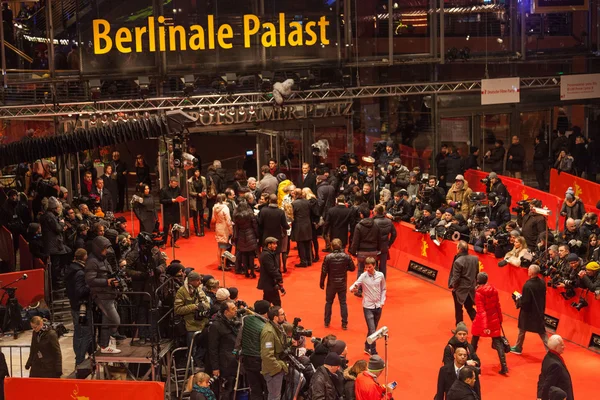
column 505, row 342
column 212, row 189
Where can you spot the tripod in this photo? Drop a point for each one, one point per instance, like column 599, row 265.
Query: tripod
column 12, row 317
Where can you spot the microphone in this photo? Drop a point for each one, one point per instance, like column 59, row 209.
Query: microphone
column 377, row 335
column 25, row 276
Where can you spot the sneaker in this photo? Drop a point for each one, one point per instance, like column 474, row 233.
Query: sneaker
column 368, row 352
column 109, row 350
column 112, row 343
column 345, row 327
column 515, row 350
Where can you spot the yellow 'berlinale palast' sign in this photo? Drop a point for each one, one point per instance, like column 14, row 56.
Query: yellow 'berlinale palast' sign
column 156, row 36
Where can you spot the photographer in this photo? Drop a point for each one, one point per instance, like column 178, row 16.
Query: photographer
column 444, row 229
column 485, row 242
column 248, row 341
column 572, row 206
column 568, row 277
column 192, row 304
column 499, row 212
column 270, row 281
column 272, row 347
column 590, row 278
column 104, row 292
column 571, row 236
column 222, row 335
column 493, row 184
column 79, row 296
column 400, row 208
column 531, row 223
column 53, row 228
column 459, row 195
column 427, row 221
column 437, row 198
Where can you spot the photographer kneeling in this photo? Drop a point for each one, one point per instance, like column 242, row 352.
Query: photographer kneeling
column 192, row 304
column 104, row 290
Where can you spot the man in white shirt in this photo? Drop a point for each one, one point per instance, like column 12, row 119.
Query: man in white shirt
column 372, row 284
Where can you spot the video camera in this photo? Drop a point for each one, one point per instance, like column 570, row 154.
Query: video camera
column 121, row 280
column 523, row 206
column 299, row 331
column 578, row 305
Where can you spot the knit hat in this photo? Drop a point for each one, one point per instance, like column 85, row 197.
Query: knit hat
column 570, row 191
column 206, row 278
column 174, row 268
column 390, row 143
column 333, row 359
column 592, row 266
column 397, row 160
column 63, row 190
column 376, row 363
column 572, row 257
column 450, row 210
column 53, row 203
column 493, row 225
column 193, row 276
column 459, row 178
column 233, row 293
column 281, row 177
column 461, row 327
column 222, row 294
column 261, row 306
column 427, row 207
column 493, row 175
column 338, row 347
column 556, row 393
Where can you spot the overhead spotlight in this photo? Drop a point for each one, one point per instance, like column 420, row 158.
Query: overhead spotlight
column 499, row 40
column 266, row 84
column 95, row 89
column 344, row 76
column 231, row 78
column 305, row 79
column 188, row 85
column 144, row 84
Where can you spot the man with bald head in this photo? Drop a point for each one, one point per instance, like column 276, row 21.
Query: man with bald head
column 449, row 374
column 532, row 302
column 554, row 371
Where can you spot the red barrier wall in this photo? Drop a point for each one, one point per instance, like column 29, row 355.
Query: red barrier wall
column 25, row 258
column 7, row 253
column 28, row 291
column 61, row 389
column 588, row 192
column 573, row 325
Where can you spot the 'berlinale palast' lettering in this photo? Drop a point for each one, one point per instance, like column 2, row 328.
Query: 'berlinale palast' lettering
column 197, row 37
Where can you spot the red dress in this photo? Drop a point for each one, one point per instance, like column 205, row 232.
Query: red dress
column 489, row 313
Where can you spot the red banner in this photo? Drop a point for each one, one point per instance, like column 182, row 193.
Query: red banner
column 574, row 325
column 61, row 389
column 588, row 192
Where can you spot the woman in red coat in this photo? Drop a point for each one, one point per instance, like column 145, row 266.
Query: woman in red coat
column 488, row 321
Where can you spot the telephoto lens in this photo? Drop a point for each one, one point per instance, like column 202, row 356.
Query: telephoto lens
column 83, row 314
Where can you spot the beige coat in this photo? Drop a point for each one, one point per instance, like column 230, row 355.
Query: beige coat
column 222, row 221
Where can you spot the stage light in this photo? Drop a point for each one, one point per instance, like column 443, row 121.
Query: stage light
column 144, row 84
column 266, row 84
column 188, row 82
column 231, row 79
column 95, row 88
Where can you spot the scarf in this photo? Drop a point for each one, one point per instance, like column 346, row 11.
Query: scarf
column 205, row 391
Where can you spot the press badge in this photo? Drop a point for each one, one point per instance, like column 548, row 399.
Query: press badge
column 268, row 345
column 39, row 354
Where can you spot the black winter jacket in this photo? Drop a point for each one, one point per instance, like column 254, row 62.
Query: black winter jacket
column 323, row 385
column 269, row 270
column 337, row 222
column 336, row 265
column 245, row 231
column 221, row 342
column 52, row 234
column 366, row 237
column 387, row 230
column 77, row 290
column 517, row 151
column 454, row 166
column 461, row 391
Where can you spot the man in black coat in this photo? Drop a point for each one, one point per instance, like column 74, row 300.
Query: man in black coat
column 171, row 209
column 454, row 165
column 307, row 179
column 325, row 384
column 120, row 168
column 79, row 293
column 366, row 241
column 336, row 265
column 338, row 221
column 554, row 370
column 540, row 162
column 222, row 335
column 448, row 374
column 103, row 196
column 326, row 198
column 270, row 280
column 532, row 304
column 532, row 225
column 53, row 228
column 495, row 157
column 464, row 387
column 462, row 281
column 302, row 229
column 515, row 157
column 272, row 223
column 387, row 230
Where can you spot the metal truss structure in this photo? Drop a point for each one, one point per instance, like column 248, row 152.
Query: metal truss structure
column 253, row 99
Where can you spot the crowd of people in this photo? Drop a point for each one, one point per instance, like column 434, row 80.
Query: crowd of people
column 256, row 225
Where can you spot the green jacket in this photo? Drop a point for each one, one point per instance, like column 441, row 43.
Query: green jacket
column 186, row 306
column 272, row 345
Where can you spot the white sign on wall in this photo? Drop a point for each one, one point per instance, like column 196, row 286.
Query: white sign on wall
column 500, row 91
column 573, row 87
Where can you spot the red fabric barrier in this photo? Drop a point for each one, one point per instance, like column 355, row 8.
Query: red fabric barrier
column 573, row 325
column 29, row 290
column 588, row 192
column 25, row 258
column 60, row 389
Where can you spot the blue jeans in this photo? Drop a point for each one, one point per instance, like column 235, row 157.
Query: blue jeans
column 82, row 336
column 109, row 316
column 274, row 384
column 372, row 316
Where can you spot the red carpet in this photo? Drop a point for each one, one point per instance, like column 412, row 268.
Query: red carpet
column 419, row 316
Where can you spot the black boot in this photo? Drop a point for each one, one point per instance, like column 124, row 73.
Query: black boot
column 202, row 225
column 284, row 258
column 195, row 221
column 502, row 356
